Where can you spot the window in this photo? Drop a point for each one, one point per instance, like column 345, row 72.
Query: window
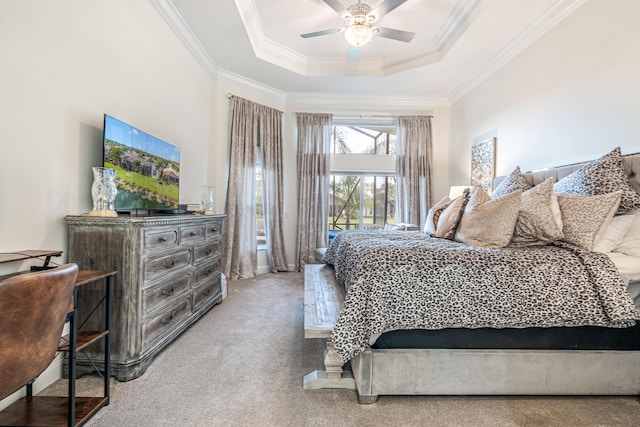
column 363, row 185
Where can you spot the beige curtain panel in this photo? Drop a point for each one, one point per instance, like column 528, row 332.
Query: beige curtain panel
column 313, row 159
column 256, row 132
column 414, row 157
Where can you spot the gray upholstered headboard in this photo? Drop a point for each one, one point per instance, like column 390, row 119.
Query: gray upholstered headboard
column 631, row 165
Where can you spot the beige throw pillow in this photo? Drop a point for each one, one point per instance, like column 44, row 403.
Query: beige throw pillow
column 536, row 223
column 488, row 222
column 585, row 218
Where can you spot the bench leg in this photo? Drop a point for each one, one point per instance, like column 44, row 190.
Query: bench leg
column 333, row 375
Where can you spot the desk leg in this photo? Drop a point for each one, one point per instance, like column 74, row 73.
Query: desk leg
column 71, row 411
column 107, row 351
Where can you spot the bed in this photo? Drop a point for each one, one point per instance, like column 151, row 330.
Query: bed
column 441, row 315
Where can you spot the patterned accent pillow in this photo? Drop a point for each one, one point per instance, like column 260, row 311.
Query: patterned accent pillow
column 536, row 224
column 450, row 217
column 434, row 215
column 488, row 222
column 586, row 217
column 512, row 182
column 602, row 176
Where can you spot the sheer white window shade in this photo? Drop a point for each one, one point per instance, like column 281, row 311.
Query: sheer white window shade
column 372, row 164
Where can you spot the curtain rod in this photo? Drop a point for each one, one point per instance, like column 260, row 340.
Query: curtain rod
column 372, row 116
column 358, row 116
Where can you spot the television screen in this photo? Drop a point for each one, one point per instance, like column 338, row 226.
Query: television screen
column 147, row 168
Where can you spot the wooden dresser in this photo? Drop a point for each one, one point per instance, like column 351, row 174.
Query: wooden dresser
column 168, row 276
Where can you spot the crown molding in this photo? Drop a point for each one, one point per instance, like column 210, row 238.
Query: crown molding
column 457, row 23
column 176, row 22
column 546, row 22
column 417, row 105
column 251, row 85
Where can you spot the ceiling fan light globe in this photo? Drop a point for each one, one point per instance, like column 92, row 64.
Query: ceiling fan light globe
column 358, row 34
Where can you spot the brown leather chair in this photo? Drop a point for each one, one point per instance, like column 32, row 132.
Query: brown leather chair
column 33, row 311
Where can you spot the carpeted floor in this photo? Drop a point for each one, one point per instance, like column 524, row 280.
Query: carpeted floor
column 242, row 364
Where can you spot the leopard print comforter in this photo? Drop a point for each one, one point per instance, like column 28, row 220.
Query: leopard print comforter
column 408, row 280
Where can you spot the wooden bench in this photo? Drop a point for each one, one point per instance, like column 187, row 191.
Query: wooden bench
column 323, row 300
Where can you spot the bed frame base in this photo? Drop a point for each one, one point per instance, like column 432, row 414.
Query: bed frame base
column 495, row 372
column 333, row 375
column 457, row 371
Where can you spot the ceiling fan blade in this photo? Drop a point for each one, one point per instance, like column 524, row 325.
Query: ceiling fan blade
column 338, row 7
column 322, row 33
column 403, row 36
column 386, row 7
column 354, row 52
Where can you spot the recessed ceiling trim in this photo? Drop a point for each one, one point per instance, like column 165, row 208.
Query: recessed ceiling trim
column 176, row 22
column 548, row 20
column 365, row 67
column 265, row 48
column 268, row 50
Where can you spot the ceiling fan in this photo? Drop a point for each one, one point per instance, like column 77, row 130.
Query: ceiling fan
column 359, row 23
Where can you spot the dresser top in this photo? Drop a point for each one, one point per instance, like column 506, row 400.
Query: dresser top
column 141, row 221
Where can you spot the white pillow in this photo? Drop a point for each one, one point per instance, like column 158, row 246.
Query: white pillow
column 630, row 244
column 613, row 233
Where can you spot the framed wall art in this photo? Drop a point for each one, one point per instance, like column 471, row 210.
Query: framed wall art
column 483, row 162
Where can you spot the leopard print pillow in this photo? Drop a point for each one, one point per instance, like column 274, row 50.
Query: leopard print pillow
column 585, row 218
column 536, row 224
column 512, row 182
column 602, row 176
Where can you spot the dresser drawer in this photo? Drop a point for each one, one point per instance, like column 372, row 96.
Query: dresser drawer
column 162, row 294
column 191, row 234
column 206, row 251
column 166, row 264
column 207, row 292
column 213, row 230
column 160, row 239
column 206, row 271
column 164, row 323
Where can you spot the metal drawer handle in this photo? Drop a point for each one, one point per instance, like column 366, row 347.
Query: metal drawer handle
column 207, row 291
column 208, row 251
column 193, row 233
column 208, row 272
column 169, row 265
column 170, row 318
column 163, row 239
column 168, row 292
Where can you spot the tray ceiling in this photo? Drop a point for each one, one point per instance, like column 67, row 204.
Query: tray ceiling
column 457, row 42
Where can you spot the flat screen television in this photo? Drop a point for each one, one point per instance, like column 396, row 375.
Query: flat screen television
column 147, row 168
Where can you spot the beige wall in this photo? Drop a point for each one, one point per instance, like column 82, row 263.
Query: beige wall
column 571, row 96
column 63, row 65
